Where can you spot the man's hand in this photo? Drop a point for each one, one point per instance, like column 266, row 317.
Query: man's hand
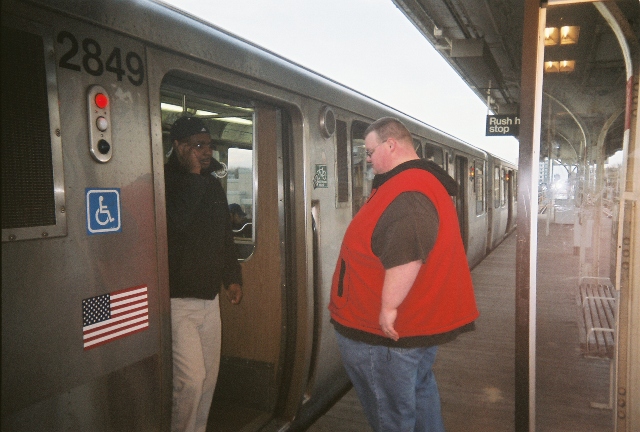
column 397, row 284
column 234, row 293
column 387, row 319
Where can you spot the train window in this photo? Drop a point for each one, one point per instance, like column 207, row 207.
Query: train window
column 342, row 158
column 361, row 171
column 479, row 186
column 418, row 147
column 434, row 153
column 451, row 167
column 230, row 122
column 496, row 187
column 33, row 199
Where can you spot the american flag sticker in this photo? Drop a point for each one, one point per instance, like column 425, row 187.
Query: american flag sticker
column 112, row 316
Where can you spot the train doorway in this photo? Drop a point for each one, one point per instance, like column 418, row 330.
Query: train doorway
column 248, row 139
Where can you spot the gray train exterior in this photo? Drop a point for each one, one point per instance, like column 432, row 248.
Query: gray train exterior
column 307, row 177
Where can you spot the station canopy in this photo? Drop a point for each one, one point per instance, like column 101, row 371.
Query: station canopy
column 584, row 78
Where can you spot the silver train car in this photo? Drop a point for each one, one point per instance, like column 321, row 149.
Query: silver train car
column 89, row 91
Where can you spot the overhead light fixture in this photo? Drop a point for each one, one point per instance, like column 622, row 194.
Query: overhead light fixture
column 559, row 66
column 569, row 35
column 551, row 36
column 551, row 66
column 567, row 65
column 565, row 35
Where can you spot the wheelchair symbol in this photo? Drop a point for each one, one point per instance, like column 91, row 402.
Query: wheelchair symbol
column 103, row 212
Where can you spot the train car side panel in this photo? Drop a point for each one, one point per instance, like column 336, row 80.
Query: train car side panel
column 53, row 376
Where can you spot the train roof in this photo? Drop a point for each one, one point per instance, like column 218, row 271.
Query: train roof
column 168, row 28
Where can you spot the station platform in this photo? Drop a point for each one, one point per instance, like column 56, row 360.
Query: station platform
column 475, row 373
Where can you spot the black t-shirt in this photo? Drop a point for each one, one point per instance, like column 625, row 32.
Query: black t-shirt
column 406, row 231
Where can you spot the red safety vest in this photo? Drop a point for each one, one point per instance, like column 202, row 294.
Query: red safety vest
column 441, row 298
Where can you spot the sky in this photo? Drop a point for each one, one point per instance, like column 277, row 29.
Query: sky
column 368, row 45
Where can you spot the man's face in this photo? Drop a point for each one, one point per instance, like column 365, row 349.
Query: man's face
column 377, row 153
column 201, row 146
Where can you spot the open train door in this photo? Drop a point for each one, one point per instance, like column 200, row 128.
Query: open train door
column 252, row 140
column 255, row 360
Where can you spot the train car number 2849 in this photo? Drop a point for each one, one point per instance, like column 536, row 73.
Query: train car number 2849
column 91, row 61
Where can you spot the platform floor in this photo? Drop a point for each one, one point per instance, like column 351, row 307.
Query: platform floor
column 475, row 373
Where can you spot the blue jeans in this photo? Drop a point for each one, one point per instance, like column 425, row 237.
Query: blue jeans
column 396, row 386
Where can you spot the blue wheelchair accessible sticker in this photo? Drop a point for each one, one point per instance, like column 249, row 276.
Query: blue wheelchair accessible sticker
column 103, row 211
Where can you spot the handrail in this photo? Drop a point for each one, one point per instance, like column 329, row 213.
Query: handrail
column 243, row 227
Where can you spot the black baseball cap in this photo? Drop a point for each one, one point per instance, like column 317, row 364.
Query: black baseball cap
column 184, row 127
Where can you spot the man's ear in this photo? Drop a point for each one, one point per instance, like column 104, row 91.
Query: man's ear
column 391, row 142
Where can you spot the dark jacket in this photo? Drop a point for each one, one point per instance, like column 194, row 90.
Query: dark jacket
column 202, row 255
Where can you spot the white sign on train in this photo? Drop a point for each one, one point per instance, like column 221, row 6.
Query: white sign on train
column 503, row 125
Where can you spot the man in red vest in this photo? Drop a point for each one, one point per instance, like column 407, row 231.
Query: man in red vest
column 402, row 284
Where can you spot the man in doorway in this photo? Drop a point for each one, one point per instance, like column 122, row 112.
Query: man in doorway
column 202, row 259
column 402, row 285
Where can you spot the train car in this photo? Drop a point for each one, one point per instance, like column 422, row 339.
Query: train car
column 501, row 192
column 89, row 92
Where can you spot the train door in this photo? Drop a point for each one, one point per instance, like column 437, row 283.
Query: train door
column 497, row 221
column 248, row 137
column 510, row 179
column 461, row 167
column 490, row 205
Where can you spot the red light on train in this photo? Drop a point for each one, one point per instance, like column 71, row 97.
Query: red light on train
column 101, row 101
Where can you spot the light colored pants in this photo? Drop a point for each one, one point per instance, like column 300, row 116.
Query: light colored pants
column 197, row 339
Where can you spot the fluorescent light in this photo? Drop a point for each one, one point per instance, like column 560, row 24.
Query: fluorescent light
column 236, row 120
column 170, row 107
column 205, row 113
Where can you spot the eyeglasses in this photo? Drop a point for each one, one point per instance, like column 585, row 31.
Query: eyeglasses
column 369, row 153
